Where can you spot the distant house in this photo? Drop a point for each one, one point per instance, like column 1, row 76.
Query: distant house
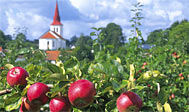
column 20, row 58
column 52, row 56
column 1, row 52
column 146, row 46
column 1, row 49
column 53, row 39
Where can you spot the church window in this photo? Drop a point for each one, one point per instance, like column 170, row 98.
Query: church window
column 54, row 29
column 47, row 44
column 53, row 44
column 57, row 29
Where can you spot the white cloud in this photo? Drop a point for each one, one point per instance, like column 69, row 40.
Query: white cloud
column 161, row 13
column 95, row 9
column 85, row 7
column 174, row 14
column 72, row 28
column 175, row 5
column 145, row 2
column 36, row 24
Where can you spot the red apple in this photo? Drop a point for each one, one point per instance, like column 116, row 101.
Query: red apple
column 143, row 67
column 17, row 76
column 128, row 101
column 174, row 55
column 181, row 78
column 2, row 68
column 60, row 104
column 37, row 93
column 184, row 62
column 81, row 93
column 170, row 98
column 180, row 75
column 177, row 56
column 172, row 95
column 145, row 63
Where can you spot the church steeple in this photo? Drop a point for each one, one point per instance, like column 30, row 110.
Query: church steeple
column 56, row 19
column 56, row 25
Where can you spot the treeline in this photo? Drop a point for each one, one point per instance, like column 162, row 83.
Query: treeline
column 110, row 38
column 177, row 35
column 20, row 41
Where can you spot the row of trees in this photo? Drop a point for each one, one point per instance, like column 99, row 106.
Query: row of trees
column 111, row 36
column 20, row 41
column 4, row 38
column 177, row 34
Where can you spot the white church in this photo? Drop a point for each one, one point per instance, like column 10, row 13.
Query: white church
column 53, row 39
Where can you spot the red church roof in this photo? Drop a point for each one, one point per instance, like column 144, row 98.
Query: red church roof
column 49, row 35
column 56, row 19
column 1, row 49
column 52, row 55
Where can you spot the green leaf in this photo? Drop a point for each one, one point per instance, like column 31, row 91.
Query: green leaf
column 120, row 69
column 107, row 89
column 159, row 106
column 96, row 68
column 12, row 99
column 29, row 67
column 14, row 106
column 124, row 83
column 94, row 28
column 71, row 62
column 23, row 51
column 139, row 88
column 9, row 66
column 110, row 105
column 118, row 59
column 92, row 34
column 57, row 77
column 116, row 86
column 76, row 110
column 132, row 72
column 61, row 66
column 167, row 107
column 25, row 90
column 53, row 68
column 163, row 95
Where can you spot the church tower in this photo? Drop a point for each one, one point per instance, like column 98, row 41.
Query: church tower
column 56, row 25
column 53, row 39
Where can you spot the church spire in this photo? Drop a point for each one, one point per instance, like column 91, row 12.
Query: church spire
column 56, row 19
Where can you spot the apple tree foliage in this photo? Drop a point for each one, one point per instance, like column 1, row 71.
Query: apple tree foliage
column 112, row 74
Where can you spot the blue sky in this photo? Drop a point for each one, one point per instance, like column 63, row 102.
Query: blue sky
column 78, row 16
